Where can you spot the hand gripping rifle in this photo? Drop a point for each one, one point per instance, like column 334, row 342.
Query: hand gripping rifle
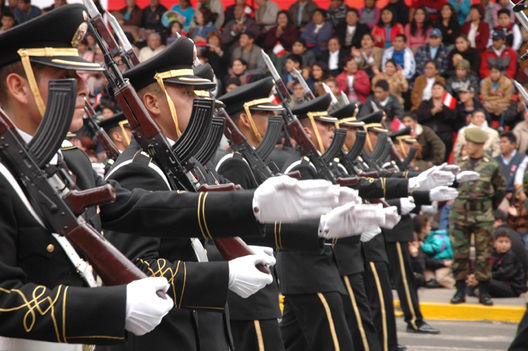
column 145, row 130
column 104, row 139
column 52, row 193
column 295, row 127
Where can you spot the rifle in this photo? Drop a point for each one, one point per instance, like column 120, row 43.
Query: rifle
column 216, row 131
column 268, row 142
column 51, row 191
column 308, row 94
column 145, row 130
column 108, row 145
column 523, row 92
column 349, row 158
column 295, row 127
column 128, row 52
column 327, row 90
column 335, row 148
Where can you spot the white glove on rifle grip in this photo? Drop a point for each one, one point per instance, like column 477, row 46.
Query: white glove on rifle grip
column 407, row 205
column 144, row 308
column 391, row 217
column 287, row 199
column 349, row 219
column 467, row 176
column 431, row 178
column 369, row 234
column 244, row 277
column 442, row 193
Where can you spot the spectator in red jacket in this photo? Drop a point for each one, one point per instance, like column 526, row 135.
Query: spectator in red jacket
column 354, row 82
column 499, row 54
column 476, row 29
column 387, row 25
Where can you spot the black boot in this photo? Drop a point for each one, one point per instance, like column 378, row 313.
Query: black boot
column 484, row 297
column 460, row 295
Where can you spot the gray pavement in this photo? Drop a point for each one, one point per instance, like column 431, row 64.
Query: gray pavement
column 444, row 295
column 459, row 336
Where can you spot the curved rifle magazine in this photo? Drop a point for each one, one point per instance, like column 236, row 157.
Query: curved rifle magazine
column 270, row 139
column 194, row 135
column 336, row 146
column 208, row 149
column 56, row 121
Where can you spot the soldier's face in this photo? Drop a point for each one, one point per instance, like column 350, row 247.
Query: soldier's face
column 261, row 120
column 326, row 132
column 473, row 149
column 351, row 137
column 182, row 96
column 46, row 74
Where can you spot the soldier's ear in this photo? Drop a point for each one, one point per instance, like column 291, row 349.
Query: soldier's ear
column 18, row 88
column 152, row 103
column 244, row 120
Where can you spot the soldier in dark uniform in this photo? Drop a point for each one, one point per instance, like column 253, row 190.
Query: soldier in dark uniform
column 118, row 130
column 244, row 103
column 36, row 278
column 473, row 213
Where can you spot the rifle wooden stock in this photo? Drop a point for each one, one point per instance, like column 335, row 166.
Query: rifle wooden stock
column 81, row 199
column 349, row 181
column 56, row 212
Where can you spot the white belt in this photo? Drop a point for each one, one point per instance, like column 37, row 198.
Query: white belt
column 14, row 344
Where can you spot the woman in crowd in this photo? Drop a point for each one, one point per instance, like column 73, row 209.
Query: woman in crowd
column 369, row 14
column 319, row 75
column 353, row 82
column 185, row 9
column 368, row 56
column 463, row 50
column 284, row 32
column 239, row 71
column 476, row 30
column 386, row 29
column 448, row 23
column 393, row 75
column 439, row 117
column 215, row 55
column 423, row 85
column 461, row 9
column 418, row 28
column 478, row 120
column 204, row 19
column 317, row 32
column 132, row 14
column 174, row 31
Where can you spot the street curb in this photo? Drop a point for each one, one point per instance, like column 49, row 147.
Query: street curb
column 470, row 312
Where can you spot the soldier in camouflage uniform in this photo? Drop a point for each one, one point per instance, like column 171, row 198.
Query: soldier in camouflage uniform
column 473, row 213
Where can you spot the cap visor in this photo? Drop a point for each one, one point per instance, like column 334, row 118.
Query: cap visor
column 201, row 83
column 68, row 62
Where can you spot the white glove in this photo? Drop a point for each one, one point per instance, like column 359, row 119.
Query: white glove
column 99, row 168
column 144, row 308
column 449, row 168
column 467, row 176
column 369, row 234
column 348, row 195
column 391, row 217
column 429, row 209
column 244, row 277
column 431, row 178
column 443, row 193
column 407, row 205
column 261, row 250
column 286, row 199
column 350, row 219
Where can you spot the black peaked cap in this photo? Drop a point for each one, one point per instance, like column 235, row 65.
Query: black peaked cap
column 179, row 56
column 261, row 89
column 55, row 29
column 401, row 132
column 319, row 104
column 112, row 122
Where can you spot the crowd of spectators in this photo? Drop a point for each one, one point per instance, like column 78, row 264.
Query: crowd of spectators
column 437, row 67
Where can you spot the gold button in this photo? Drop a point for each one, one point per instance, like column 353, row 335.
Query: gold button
column 50, row 248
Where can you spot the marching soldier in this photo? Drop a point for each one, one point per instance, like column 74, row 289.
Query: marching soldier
column 473, row 214
column 37, row 279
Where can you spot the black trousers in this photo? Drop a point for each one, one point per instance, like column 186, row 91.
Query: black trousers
column 257, row 335
column 359, row 315
column 520, row 343
column 379, row 293
column 315, row 322
column 403, row 278
column 498, row 288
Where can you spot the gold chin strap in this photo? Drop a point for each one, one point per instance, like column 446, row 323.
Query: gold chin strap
column 172, row 74
column 247, row 107
column 123, row 130
column 311, row 116
column 369, row 143
column 25, row 54
column 402, row 147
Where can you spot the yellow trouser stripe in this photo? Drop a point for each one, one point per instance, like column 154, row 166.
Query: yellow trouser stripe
column 357, row 314
column 406, row 285
column 260, row 339
column 330, row 321
column 382, row 305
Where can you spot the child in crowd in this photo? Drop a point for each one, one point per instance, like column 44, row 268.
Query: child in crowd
column 507, row 275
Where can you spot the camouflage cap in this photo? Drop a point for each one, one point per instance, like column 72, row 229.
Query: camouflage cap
column 476, row 135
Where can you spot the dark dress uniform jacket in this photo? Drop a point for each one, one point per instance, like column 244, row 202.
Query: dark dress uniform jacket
column 40, row 292
column 206, row 283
